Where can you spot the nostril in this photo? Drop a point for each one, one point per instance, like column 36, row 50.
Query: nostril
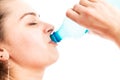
column 50, row 30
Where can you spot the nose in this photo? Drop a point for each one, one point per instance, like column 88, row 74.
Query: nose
column 49, row 28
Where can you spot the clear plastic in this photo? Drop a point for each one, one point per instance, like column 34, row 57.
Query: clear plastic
column 68, row 29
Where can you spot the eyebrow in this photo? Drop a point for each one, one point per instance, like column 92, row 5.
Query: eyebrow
column 29, row 13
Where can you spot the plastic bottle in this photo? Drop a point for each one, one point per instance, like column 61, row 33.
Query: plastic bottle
column 68, row 29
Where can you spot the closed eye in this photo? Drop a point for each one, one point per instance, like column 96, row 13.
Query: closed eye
column 33, row 23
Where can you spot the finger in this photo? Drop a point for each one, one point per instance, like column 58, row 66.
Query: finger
column 79, row 9
column 93, row 0
column 73, row 15
column 80, row 19
column 86, row 3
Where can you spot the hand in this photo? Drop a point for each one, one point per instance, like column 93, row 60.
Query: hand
column 98, row 16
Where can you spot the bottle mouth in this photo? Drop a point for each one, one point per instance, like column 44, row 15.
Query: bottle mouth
column 55, row 37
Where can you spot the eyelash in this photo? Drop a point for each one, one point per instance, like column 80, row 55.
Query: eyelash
column 33, row 23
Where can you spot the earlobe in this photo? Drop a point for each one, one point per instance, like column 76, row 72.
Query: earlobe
column 4, row 55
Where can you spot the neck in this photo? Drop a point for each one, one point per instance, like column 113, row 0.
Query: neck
column 28, row 75
column 20, row 73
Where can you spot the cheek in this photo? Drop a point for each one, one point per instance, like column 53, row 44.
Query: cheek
column 31, row 43
column 34, row 43
column 31, row 50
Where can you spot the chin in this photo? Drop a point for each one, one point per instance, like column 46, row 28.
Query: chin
column 53, row 58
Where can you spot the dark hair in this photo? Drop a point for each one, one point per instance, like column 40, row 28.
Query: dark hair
column 4, row 70
column 2, row 16
column 3, row 64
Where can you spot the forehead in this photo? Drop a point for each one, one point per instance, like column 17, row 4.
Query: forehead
column 15, row 9
column 18, row 7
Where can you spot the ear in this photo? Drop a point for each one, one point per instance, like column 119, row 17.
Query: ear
column 4, row 55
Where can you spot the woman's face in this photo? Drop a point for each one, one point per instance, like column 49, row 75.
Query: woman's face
column 27, row 37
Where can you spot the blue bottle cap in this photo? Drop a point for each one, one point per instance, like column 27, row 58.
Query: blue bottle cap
column 55, row 37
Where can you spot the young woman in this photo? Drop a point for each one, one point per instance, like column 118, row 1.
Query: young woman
column 25, row 45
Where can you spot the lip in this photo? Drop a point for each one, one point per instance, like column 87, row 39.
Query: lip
column 53, row 43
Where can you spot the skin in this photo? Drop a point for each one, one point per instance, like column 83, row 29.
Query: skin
column 27, row 42
column 99, row 17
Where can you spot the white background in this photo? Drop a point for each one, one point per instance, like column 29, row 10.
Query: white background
column 88, row 58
